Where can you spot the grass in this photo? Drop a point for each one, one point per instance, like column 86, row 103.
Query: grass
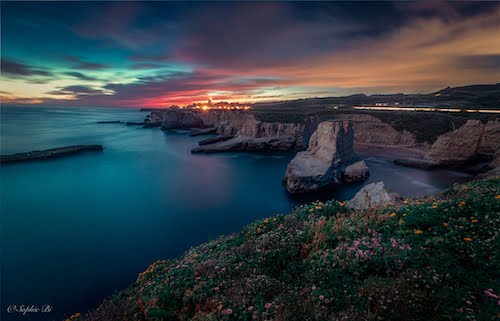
column 435, row 258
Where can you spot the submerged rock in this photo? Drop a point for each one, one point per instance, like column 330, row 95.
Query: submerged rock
column 330, row 148
column 110, row 122
column 48, row 153
column 356, row 172
column 373, row 195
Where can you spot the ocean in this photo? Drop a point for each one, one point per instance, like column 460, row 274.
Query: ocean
column 75, row 230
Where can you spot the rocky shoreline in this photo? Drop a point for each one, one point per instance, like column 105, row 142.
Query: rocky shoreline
column 49, row 153
column 242, row 131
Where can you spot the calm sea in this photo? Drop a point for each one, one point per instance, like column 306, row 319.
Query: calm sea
column 77, row 229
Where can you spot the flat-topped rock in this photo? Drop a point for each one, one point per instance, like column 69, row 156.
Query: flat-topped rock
column 216, row 139
column 247, row 144
column 48, row 153
column 330, row 148
column 204, row 131
column 373, row 195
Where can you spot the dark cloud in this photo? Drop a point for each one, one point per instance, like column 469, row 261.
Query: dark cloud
column 16, row 68
column 80, row 64
column 487, row 62
column 79, row 75
column 78, row 90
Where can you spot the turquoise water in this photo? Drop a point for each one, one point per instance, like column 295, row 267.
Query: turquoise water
column 76, row 229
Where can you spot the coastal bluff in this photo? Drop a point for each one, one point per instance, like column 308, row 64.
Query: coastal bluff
column 244, row 131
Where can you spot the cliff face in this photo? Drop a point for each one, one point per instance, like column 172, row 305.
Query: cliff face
column 330, row 148
column 248, row 132
column 244, row 124
column 371, row 130
column 472, row 140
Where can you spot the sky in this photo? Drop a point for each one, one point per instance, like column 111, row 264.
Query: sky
column 155, row 54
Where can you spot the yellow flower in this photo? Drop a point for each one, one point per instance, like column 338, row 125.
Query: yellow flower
column 418, row 231
column 401, row 222
column 474, row 221
column 404, row 214
column 434, row 206
column 341, row 203
column 393, row 214
column 468, row 239
column 497, row 197
column 462, row 203
column 266, row 220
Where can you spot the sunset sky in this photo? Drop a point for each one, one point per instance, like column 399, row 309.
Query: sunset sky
column 138, row 54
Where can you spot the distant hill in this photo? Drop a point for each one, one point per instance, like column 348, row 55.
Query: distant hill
column 473, row 96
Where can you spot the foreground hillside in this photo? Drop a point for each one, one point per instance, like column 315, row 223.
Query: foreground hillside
column 430, row 259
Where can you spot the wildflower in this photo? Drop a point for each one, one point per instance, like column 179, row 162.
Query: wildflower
column 474, row 221
column 401, row 221
column 250, row 308
column 327, row 300
column 266, row 220
column 313, row 288
column 468, row 239
column 393, row 214
column 268, row 305
column 229, row 311
column 445, row 224
column 497, row 197
column 468, row 302
column 417, row 231
column 321, row 297
column 434, row 206
column 490, row 293
column 462, row 203
column 219, row 307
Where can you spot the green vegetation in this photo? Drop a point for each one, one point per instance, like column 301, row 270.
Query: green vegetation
column 430, row 259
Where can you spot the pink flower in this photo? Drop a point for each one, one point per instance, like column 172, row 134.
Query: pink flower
column 468, row 302
column 229, row 311
column 216, row 289
column 321, row 297
column 327, row 300
column 219, row 307
column 268, row 305
column 250, row 308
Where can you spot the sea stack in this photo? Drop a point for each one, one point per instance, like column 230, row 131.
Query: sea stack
column 322, row 164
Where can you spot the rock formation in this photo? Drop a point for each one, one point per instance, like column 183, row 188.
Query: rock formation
column 474, row 140
column 180, row 119
column 321, row 165
column 356, row 172
column 49, row 153
column 373, row 195
column 371, row 130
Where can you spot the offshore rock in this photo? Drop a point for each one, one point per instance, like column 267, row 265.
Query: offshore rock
column 356, row 172
column 320, row 166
